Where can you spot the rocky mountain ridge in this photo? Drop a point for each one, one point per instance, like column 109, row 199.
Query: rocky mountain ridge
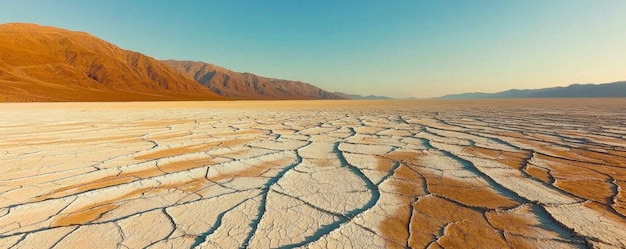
column 39, row 63
column 246, row 85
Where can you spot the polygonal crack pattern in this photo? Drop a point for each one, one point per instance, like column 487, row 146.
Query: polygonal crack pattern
column 305, row 174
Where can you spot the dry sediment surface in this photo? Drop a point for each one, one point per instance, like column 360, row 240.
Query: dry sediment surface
column 314, row 174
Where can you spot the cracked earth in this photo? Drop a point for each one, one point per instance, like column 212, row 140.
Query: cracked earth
column 314, row 174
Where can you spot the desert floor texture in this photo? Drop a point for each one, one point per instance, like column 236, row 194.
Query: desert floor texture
column 314, row 174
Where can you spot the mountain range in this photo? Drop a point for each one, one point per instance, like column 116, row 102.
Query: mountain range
column 356, row 96
column 615, row 89
column 246, row 85
column 41, row 63
column 49, row 64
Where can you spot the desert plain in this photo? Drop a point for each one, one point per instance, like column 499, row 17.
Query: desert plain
column 534, row 173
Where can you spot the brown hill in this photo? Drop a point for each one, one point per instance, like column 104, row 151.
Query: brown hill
column 40, row 63
column 246, row 85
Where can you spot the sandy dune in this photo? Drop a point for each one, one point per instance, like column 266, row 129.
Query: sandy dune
column 314, row 174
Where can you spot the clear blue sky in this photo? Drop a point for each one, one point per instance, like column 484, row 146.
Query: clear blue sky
column 395, row 48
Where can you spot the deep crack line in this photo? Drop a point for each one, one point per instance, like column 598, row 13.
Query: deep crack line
column 327, row 229
column 370, row 185
column 409, row 224
column 469, row 166
column 505, row 191
column 391, row 172
column 201, row 238
column 266, row 189
column 64, row 236
column 22, row 238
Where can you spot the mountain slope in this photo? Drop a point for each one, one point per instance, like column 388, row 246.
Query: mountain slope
column 39, row 63
column 356, row 96
column 615, row 89
column 246, row 85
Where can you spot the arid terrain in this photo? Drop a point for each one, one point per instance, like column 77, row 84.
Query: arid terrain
column 534, row 173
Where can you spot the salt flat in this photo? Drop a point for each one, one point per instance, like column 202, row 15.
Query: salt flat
column 314, row 174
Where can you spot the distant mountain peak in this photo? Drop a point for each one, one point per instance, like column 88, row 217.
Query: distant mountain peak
column 615, row 89
column 356, row 96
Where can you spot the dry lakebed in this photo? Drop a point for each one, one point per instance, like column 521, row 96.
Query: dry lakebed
column 529, row 173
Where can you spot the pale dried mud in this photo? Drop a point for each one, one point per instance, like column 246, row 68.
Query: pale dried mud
column 314, row 174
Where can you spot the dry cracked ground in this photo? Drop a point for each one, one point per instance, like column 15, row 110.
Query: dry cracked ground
column 314, row 174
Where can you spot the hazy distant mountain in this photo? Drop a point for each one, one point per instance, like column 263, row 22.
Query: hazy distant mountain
column 39, row 63
column 356, row 96
column 615, row 89
column 246, row 85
